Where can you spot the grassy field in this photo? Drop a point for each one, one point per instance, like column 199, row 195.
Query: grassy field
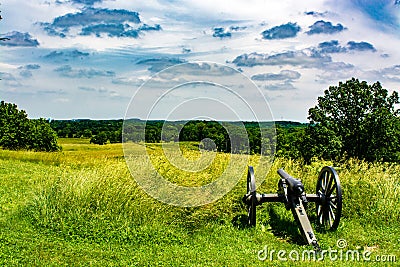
column 82, row 207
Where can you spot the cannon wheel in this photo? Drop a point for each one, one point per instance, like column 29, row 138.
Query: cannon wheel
column 329, row 206
column 251, row 190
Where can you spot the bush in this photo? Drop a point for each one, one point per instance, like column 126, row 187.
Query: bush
column 19, row 132
column 99, row 139
column 43, row 137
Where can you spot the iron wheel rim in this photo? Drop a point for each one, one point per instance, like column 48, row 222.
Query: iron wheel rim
column 329, row 206
column 251, row 190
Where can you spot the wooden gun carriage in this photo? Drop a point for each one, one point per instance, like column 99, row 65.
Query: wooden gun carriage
column 328, row 200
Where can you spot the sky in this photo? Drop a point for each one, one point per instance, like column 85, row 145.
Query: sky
column 101, row 59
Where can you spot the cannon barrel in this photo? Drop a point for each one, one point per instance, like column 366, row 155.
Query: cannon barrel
column 295, row 185
column 328, row 200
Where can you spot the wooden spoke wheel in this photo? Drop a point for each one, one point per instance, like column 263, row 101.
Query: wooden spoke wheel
column 251, row 191
column 329, row 205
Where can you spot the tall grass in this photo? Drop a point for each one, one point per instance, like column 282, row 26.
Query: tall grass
column 96, row 204
column 372, row 192
column 82, row 206
column 101, row 201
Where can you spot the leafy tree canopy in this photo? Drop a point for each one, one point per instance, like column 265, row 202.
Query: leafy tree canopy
column 354, row 119
column 99, row 139
column 19, row 132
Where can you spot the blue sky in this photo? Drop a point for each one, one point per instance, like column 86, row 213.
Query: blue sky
column 87, row 58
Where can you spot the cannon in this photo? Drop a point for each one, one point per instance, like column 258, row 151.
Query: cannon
column 328, row 200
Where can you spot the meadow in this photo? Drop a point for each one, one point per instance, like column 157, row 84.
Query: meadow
column 82, row 207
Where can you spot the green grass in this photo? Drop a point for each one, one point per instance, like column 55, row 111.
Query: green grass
column 82, row 207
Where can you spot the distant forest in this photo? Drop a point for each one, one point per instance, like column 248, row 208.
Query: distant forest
column 236, row 141
column 352, row 120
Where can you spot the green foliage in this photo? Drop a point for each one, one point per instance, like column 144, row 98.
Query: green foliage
column 19, row 132
column 352, row 120
column 219, row 136
column 87, row 133
column 115, row 136
column 84, row 127
column 99, row 139
column 14, row 126
column 288, row 141
column 319, row 141
column 88, row 210
column 98, row 131
column 355, row 119
column 42, row 136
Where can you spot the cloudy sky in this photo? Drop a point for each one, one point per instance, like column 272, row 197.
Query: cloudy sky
column 70, row 59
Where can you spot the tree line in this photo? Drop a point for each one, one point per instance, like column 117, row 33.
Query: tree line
column 211, row 134
column 98, row 131
column 235, row 137
column 351, row 120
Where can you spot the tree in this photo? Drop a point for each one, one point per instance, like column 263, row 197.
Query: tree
column 115, row 136
column 355, row 119
column 14, row 126
column 19, row 132
column 288, row 141
column 99, row 139
column 42, row 136
column 87, row 133
column 319, row 141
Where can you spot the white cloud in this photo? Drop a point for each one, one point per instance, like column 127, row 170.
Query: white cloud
column 187, row 35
